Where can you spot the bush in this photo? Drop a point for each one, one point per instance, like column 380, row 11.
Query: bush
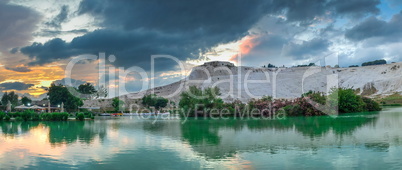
column 54, row 116
column 19, row 119
column 29, row 115
column 15, row 115
column 87, row 114
column 376, row 62
column 7, row 118
column 80, row 116
column 293, row 110
column 371, row 105
column 348, row 101
column 2, row 115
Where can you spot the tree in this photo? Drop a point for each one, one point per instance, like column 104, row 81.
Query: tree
column 12, row 97
column 87, row 90
column 154, row 101
column 102, row 92
column 271, row 65
column 117, row 104
column 203, row 100
column 376, row 62
column 61, row 94
column 25, row 100
column 346, row 100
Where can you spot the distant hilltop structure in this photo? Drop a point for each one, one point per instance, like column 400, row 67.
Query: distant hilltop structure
column 243, row 83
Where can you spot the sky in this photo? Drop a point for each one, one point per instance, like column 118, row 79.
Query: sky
column 39, row 38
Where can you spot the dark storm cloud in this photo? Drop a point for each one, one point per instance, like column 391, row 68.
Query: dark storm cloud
column 130, row 48
column 74, row 82
column 208, row 16
column 15, row 86
column 55, row 33
column 14, row 50
column 60, row 18
column 16, row 25
column 306, row 11
column 355, row 8
column 19, row 69
column 135, row 30
column 394, row 2
column 376, row 28
column 306, row 48
column 294, row 10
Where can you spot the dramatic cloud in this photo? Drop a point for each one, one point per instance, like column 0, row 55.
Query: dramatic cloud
column 19, row 69
column 74, row 82
column 308, row 11
column 306, row 49
column 375, row 28
column 183, row 30
column 355, row 8
column 54, row 33
column 264, row 31
column 14, row 86
column 17, row 25
column 14, row 50
column 135, row 30
column 60, row 18
column 394, row 2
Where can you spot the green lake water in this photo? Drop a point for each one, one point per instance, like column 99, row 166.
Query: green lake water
column 352, row 141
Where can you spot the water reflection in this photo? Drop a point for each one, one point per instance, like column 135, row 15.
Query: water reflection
column 11, row 129
column 71, row 131
column 206, row 143
column 222, row 138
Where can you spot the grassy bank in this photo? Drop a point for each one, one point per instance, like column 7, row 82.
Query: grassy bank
column 29, row 115
column 391, row 100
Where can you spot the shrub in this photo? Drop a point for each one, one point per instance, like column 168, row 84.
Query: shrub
column 376, row 62
column 7, row 118
column 29, row 115
column 87, row 114
column 80, row 116
column 54, row 116
column 371, row 105
column 293, row 110
column 19, row 119
column 2, row 115
column 15, row 115
column 46, row 116
column 348, row 101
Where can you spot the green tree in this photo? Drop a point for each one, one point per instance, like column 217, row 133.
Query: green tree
column 202, row 100
column 25, row 100
column 348, row 101
column 60, row 94
column 376, row 62
column 271, row 65
column 117, row 104
column 101, row 92
column 154, row 101
column 12, row 97
column 87, row 90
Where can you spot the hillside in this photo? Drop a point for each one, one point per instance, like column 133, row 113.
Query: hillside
column 288, row 83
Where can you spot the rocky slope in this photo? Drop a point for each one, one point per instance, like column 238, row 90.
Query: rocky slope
column 244, row 83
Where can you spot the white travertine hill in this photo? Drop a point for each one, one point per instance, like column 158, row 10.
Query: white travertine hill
column 244, row 83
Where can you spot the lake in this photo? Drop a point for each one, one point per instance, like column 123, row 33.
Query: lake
column 363, row 140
